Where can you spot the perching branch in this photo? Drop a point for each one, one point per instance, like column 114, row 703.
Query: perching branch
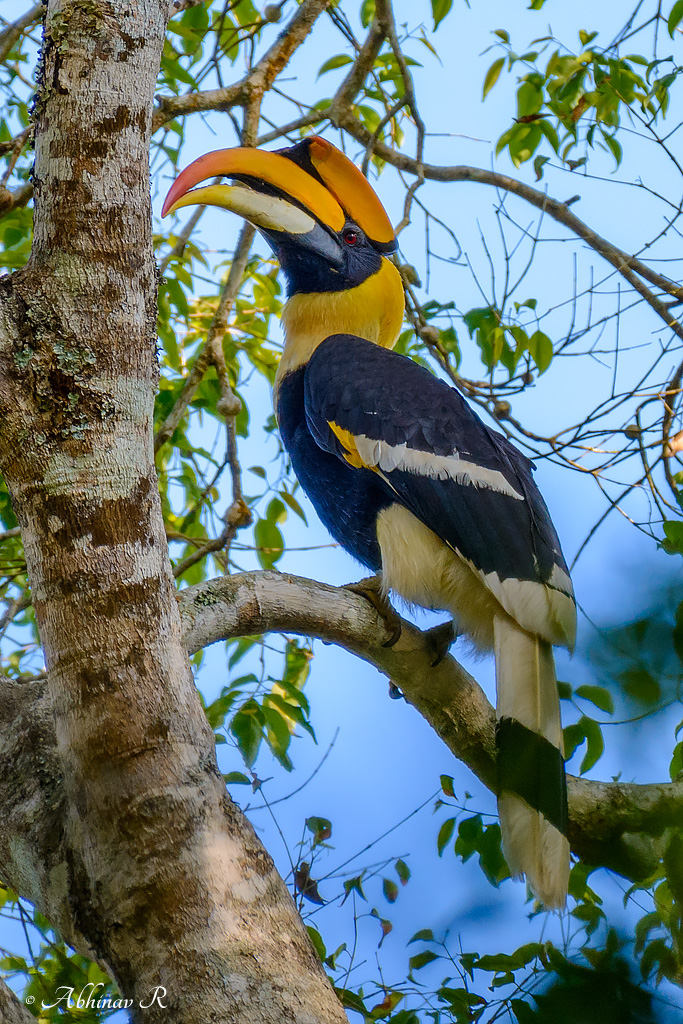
column 604, row 817
column 616, row 825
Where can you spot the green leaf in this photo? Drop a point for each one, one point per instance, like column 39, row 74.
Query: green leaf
column 354, row 885
column 403, row 871
column 387, row 1006
column 447, row 781
column 539, row 164
column 523, row 1012
column 597, row 695
column 390, row 890
column 248, row 732
column 445, row 833
column 242, row 646
column 269, row 541
column 492, row 76
column 420, row 960
column 317, row 941
column 573, row 738
column 320, row 827
column 673, row 531
column 595, row 745
column 614, row 147
column 529, row 99
column 335, row 62
column 367, row 12
column 641, row 685
column 675, row 17
column 352, row 1001
column 291, row 501
column 460, row 1002
column 424, row 935
column 541, row 350
column 440, row 9
column 236, row 779
column 278, row 735
column 218, row 709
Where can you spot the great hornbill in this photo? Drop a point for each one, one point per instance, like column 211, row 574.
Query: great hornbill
column 403, row 473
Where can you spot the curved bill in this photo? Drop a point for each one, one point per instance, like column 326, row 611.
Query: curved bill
column 263, row 166
column 278, row 220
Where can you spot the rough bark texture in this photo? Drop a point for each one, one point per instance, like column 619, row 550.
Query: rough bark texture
column 151, row 868
column 11, row 1010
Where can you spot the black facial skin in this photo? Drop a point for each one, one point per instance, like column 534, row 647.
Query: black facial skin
column 308, row 269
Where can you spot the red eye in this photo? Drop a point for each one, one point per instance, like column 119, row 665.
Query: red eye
column 352, row 238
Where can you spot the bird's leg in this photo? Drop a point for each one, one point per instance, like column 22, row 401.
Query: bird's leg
column 371, row 589
column 439, row 639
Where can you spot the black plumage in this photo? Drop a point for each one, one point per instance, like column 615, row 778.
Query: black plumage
column 374, row 392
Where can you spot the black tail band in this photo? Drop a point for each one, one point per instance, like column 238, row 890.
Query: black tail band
column 528, row 764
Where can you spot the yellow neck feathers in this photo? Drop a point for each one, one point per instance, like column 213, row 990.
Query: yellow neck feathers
column 373, row 310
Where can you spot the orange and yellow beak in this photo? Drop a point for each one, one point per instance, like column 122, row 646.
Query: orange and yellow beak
column 307, row 192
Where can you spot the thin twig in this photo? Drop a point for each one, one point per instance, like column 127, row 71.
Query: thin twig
column 183, row 238
column 13, row 32
column 220, row 322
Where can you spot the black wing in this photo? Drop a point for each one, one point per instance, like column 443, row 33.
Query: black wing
column 467, row 483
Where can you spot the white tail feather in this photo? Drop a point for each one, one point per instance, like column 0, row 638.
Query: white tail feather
column 527, row 693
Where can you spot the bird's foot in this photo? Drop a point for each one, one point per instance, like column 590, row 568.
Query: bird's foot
column 371, row 589
column 439, row 639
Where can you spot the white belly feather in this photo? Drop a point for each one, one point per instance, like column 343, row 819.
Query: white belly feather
column 474, row 599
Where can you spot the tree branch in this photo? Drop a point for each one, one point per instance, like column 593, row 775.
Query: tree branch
column 603, row 816
column 259, row 79
column 616, row 825
column 13, row 32
column 12, row 1011
column 541, row 200
column 11, row 200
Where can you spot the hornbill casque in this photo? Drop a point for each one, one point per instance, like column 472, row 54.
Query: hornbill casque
column 403, row 473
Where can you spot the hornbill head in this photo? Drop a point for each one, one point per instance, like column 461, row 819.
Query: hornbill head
column 315, row 208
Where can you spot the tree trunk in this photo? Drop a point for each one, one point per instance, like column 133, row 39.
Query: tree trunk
column 165, row 881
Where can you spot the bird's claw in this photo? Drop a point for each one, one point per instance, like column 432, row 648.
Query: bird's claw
column 439, row 639
column 371, row 590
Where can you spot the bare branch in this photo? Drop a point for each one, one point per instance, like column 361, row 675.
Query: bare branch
column 557, row 210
